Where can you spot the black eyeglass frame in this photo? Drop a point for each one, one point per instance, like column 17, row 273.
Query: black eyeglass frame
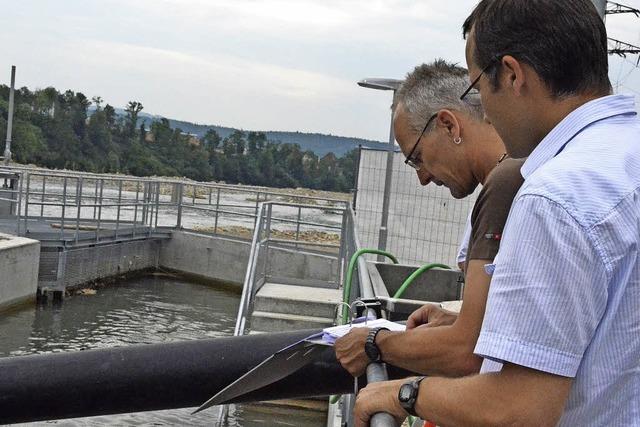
column 408, row 160
column 477, row 79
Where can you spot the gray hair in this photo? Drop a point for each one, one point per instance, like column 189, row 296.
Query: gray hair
column 432, row 87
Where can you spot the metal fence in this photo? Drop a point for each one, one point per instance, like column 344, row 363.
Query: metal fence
column 78, row 207
column 425, row 223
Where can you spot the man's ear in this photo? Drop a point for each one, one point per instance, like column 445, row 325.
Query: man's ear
column 449, row 121
column 512, row 74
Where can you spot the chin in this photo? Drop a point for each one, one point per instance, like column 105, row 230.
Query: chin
column 458, row 194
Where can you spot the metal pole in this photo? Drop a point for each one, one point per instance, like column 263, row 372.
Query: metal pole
column 7, row 147
column 99, row 210
column 64, row 207
column 44, row 188
column 601, row 7
column 79, row 202
column 298, row 225
column 135, row 209
column 215, row 225
column 382, row 235
column 179, row 188
column 354, row 197
column 118, row 211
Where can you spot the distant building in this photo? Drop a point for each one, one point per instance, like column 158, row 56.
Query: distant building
column 149, row 137
column 193, row 139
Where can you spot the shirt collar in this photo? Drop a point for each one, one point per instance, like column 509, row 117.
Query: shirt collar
column 573, row 124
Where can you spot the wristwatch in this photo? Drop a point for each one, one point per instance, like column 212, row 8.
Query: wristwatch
column 371, row 348
column 408, row 394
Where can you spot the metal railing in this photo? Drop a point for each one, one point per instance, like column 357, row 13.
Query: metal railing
column 97, row 207
column 257, row 273
column 258, row 267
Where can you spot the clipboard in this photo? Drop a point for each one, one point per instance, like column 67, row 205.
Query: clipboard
column 274, row 368
column 291, row 358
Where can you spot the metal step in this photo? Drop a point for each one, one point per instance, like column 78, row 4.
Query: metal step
column 298, row 300
column 278, row 322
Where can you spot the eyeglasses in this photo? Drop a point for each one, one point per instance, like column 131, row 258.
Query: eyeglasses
column 414, row 162
column 472, row 95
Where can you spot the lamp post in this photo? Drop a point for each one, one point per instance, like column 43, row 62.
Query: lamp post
column 393, row 85
column 601, row 6
column 7, row 148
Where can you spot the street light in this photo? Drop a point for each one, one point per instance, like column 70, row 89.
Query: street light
column 393, row 85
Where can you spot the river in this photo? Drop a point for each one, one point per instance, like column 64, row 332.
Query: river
column 145, row 310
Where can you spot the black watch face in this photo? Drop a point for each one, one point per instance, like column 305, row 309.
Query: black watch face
column 406, row 393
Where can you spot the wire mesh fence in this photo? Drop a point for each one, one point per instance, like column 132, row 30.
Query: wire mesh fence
column 425, row 223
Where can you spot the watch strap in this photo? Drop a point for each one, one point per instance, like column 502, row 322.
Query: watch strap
column 410, row 404
column 371, row 348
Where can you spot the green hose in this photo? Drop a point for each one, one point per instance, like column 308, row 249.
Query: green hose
column 346, row 291
column 414, row 275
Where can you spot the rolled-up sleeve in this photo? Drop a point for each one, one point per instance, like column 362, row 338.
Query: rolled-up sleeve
column 548, row 291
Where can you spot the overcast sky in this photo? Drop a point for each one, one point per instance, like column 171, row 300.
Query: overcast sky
column 251, row 64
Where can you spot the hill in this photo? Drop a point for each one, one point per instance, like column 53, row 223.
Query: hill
column 320, row 144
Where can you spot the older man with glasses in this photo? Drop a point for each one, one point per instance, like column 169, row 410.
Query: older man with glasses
column 447, row 142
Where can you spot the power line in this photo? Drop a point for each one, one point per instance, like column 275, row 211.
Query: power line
column 614, row 8
column 623, row 49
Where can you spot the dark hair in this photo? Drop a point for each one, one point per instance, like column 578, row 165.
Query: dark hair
column 564, row 41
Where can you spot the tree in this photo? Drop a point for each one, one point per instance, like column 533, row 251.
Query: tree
column 132, row 110
column 212, row 139
column 54, row 129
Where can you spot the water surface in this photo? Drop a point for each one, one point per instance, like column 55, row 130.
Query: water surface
column 145, row 310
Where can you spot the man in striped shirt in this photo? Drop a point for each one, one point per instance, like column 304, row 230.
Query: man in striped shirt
column 562, row 323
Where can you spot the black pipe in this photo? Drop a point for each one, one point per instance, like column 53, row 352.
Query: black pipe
column 153, row 377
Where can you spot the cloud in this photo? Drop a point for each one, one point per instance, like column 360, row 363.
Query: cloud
column 257, row 64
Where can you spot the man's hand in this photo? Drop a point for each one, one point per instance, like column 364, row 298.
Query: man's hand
column 430, row 315
column 379, row 397
column 350, row 351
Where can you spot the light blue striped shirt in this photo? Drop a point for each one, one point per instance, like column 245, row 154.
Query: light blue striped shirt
column 565, row 294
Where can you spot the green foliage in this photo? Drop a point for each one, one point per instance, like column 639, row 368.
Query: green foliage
column 57, row 130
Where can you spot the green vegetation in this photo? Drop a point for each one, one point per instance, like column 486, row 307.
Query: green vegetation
column 57, row 130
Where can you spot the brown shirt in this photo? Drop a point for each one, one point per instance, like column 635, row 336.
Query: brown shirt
column 491, row 209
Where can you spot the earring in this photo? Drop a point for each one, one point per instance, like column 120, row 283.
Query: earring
column 457, row 140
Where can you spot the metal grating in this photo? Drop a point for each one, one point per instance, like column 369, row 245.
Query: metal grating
column 87, row 264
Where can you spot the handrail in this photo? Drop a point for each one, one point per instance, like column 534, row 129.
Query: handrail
column 247, row 291
column 375, row 372
column 80, row 198
column 164, row 180
column 247, row 287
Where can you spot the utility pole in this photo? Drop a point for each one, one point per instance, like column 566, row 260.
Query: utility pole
column 601, row 6
column 7, row 148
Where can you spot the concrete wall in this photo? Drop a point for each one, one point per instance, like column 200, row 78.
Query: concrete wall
column 19, row 259
column 223, row 259
column 204, row 256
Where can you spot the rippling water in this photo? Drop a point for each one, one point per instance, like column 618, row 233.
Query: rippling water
column 148, row 310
